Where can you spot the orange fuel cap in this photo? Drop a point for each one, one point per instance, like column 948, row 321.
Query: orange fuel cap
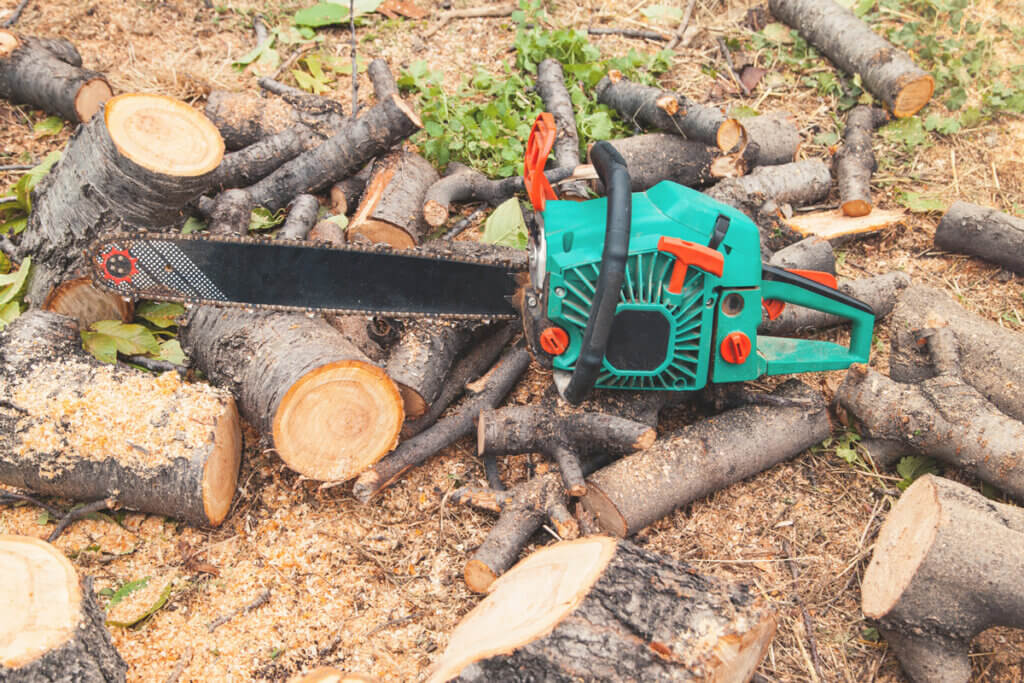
column 554, row 340
column 735, row 348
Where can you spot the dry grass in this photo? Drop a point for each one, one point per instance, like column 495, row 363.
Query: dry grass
column 377, row 588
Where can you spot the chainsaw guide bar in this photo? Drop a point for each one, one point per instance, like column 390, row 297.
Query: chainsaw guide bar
column 292, row 275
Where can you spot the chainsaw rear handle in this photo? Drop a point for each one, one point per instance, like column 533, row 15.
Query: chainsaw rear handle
column 611, row 169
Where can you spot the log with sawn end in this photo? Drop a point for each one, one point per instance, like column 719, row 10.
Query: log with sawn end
column 855, row 160
column 391, row 208
column 654, row 157
column 983, row 232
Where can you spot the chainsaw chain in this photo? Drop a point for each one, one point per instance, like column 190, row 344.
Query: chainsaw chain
column 141, row 235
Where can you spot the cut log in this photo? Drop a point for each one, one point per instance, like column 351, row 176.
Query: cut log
column 943, row 417
column 48, row 74
column 838, row 227
column 983, row 232
column 490, row 390
column 420, row 362
column 73, row 427
column 990, row 355
column 775, row 135
column 812, row 253
column 244, row 119
column 138, row 165
column 302, row 215
column 704, row 457
column 886, row 72
column 802, row 182
column 601, row 609
column 654, row 157
column 50, row 626
column 880, row 292
column 230, row 214
column 330, row 411
column 391, row 209
column 552, row 91
column 648, row 107
column 346, row 193
column 260, row 159
column 855, row 160
column 328, row 231
column 380, row 128
column 948, row 564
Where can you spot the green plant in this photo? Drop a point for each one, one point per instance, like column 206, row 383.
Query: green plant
column 16, row 205
column 846, row 447
column 154, row 337
column 913, row 467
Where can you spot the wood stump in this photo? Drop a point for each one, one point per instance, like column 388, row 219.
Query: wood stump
column 138, row 165
column 50, row 626
column 73, row 427
column 48, row 74
column 331, row 412
column 948, row 564
column 391, row 209
column 601, row 609
column 983, row 232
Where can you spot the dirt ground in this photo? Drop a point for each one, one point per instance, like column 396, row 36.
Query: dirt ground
column 377, row 588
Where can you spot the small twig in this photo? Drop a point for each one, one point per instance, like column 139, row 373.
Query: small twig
column 683, row 25
column 13, row 19
column 78, row 513
column 259, row 26
column 469, row 13
column 155, row 365
column 179, row 667
column 639, row 34
column 464, row 223
column 727, row 56
column 11, row 497
column 294, row 57
column 808, row 624
column 261, row 599
column 17, row 167
column 355, row 64
column 392, row 622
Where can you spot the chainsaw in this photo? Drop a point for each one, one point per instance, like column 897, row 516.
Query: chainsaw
column 655, row 290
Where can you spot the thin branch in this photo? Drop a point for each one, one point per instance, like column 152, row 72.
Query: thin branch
column 355, row 65
column 464, row 223
column 17, row 167
column 261, row 599
column 727, row 56
column 683, row 25
column 11, row 497
column 155, row 365
column 13, row 19
column 639, row 34
column 78, row 513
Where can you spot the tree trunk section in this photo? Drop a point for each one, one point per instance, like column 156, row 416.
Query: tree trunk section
column 990, row 355
column 948, row 564
column 128, row 167
column 601, row 609
column 703, row 458
column 802, row 182
column 73, row 427
column 983, row 232
column 383, row 80
column 775, row 137
column 48, row 74
column 330, row 411
column 50, row 626
column 391, row 210
column 244, row 119
column 551, row 87
column 654, row 157
column 887, row 72
column 855, row 160
column 381, row 127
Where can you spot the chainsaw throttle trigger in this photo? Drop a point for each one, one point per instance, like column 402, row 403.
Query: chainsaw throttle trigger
column 542, row 139
column 689, row 254
column 774, row 307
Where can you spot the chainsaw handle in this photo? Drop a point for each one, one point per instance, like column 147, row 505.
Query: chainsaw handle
column 611, row 169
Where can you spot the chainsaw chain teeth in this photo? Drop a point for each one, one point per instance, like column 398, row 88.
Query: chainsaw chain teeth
column 141, row 235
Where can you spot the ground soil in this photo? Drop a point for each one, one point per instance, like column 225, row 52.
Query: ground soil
column 378, row 588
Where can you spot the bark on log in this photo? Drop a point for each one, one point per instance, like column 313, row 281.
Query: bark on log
column 466, row 185
column 887, row 72
column 48, row 74
column 983, row 232
column 654, row 157
column 230, row 214
column 339, row 156
column 346, row 193
column 990, row 355
column 421, row 360
column 802, row 182
column 50, row 626
column 127, row 167
column 601, row 609
column 330, row 411
column 327, row 231
column 855, row 160
column 250, row 164
column 649, row 107
column 552, row 91
column 703, row 458
column 880, row 292
column 491, row 390
column 383, row 80
column 948, row 564
column 301, row 217
column 943, row 417
column 74, row 427
column 775, row 135
column 391, row 210
column 812, row 253
column 244, row 119
column 321, row 114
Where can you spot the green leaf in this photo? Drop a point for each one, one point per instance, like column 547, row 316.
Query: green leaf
column 15, row 226
column 132, row 617
column 742, row 112
column 663, row 12
column 909, row 131
column 106, row 338
column 125, row 590
column 193, row 224
column 777, row 33
column 942, row 124
column 51, row 125
column 5, row 263
column 912, row 467
column 11, row 284
column 327, row 13
column 263, row 52
column 22, row 190
column 163, row 314
column 828, row 139
column 263, row 219
column 8, row 312
column 921, row 203
column 506, row 226
column 170, row 351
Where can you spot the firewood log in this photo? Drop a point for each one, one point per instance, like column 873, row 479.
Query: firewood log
column 552, row 91
column 391, row 209
column 948, row 564
column 48, row 74
column 654, row 157
column 258, row 160
column 50, row 626
column 983, row 232
column 802, row 182
column 420, row 361
column 378, row 129
column 601, row 609
column 943, row 417
column 137, row 165
column 74, row 427
column 330, row 411
column 990, row 355
column 887, row 72
column 302, row 213
column 855, row 160
column 811, row 253
column 775, row 137
column 704, row 457
column 346, row 193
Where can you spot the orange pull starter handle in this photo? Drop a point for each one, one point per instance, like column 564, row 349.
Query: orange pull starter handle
column 689, row 254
